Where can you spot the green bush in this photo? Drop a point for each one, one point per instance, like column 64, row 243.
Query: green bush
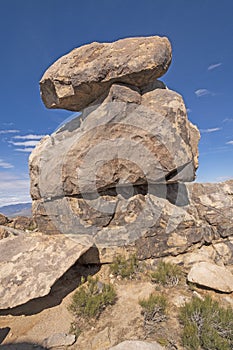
column 167, row 274
column 92, row 298
column 123, row 267
column 206, row 325
column 154, row 308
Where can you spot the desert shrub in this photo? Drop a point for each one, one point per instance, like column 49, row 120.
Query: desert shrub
column 153, row 310
column 92, row 298
column 167, row 274
column 126, row 268
column 206, row 325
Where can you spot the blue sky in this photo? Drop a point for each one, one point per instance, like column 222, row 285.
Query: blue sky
column 35, row 33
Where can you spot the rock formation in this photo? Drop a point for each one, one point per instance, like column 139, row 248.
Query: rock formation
column 118, row 176
column 131, row 145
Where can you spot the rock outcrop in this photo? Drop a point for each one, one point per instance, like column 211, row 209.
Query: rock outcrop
column 83, row 75
column 119, row 174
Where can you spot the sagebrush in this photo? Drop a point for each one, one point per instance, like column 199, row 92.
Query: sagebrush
column 206, row 325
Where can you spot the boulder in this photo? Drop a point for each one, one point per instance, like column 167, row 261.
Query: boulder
column 137, row 345
column 128, row 140
column 31, row 263
column 79, row 78
column 58, row 340
column 211, row 276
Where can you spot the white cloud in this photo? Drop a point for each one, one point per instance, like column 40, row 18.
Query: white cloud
column 202, row 92
column 14, row 188
column 210, row 130
column 27, row 149
column 229, row 143
column 28, row 137
column 25, row 143
column 227, row 120
column 5, row 165
column 189, row 110
column 11, row 131
column 213, row 66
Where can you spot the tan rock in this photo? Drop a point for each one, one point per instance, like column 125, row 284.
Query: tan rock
column 137, row 345
column 30, row 264
column 4, row 233
column 59, row 340
column 3, row 219
column 83, row 75
column 211, row 276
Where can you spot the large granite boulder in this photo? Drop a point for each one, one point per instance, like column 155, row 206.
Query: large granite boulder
column 83, row 75
column 129, row 139
column 31, row 263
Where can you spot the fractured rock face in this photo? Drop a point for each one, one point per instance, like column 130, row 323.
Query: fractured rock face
column 83, row 75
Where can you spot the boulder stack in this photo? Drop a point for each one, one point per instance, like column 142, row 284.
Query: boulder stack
column 118, row 173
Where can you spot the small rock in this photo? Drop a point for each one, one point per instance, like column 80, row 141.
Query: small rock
column 137, row 345
column 3, row 219
column 4, row 233
column 59, row 339
column 211, row 276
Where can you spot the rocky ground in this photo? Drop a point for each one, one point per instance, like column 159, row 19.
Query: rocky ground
column 119, row 322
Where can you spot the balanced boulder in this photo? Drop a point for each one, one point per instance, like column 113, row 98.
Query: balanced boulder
column 83, row 75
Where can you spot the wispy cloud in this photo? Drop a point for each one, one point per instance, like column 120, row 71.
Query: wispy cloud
column 13, row 188
column 28, row 137
column 31, row 143
column 229, row 143
column 27, row 149
column 202, row 92
column 213, row 66
column 210, row 130
column 227, row 120
column 5, row 165
column 11, row 131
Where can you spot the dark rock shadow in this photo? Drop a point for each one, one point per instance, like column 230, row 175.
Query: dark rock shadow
column 175, row 193
column 3, row 333
column 61, row 288
column 22, row 346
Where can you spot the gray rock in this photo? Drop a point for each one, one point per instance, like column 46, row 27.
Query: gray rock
column 31, row 263
column 211, row 276
column 59, row 339
column 83, row 75
column 137, row 345
column 128, row 140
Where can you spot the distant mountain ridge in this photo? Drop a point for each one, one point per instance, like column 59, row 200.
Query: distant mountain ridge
column 20, row 209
